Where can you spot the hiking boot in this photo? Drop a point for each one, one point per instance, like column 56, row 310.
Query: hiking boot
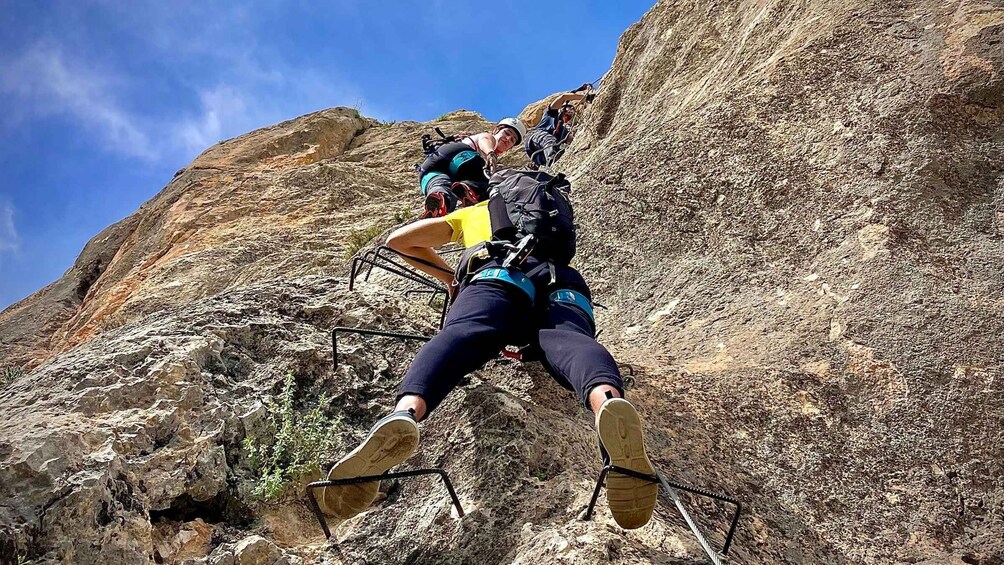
column 435, row 206
column 623, row 444
column 391, row 441
column 465, row 194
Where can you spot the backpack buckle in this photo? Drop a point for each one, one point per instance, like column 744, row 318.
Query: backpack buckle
column 519, row 252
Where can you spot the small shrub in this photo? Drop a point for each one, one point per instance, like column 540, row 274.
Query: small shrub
column 300, row 441
column 403, row 215
column 10, row 374
column 359, row 238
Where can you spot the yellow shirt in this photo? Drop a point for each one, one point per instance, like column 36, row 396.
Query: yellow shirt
column 471, row 225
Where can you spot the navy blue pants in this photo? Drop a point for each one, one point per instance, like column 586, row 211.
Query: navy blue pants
column 489, row 315
column 542, row 147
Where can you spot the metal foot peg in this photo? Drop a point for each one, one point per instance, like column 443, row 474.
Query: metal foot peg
column 368, row 332
column 382, row 258
column 671, row 488
column 370, row 478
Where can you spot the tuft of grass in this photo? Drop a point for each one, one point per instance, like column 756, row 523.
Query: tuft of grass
column 403, row 215
column 8, row 375
column 296, row 448
column 359, row 238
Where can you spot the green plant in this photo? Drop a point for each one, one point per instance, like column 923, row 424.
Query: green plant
column 403, row 215
column 359, row 238
column 299, row 442
column 10, row 374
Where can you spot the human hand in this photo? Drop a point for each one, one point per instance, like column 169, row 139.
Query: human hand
column 492, row 163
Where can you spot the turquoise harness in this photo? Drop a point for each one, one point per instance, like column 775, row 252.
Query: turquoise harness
column 575, row 298
column 522, row 282
column 456, row 162
column 459, row 159
column 509, row 276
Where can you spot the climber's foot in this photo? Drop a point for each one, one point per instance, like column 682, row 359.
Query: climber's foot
column 435, row 206
column 391, row 441
column 631, row 500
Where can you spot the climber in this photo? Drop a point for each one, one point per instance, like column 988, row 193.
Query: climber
column 507, row 292
column 544, row 142
column 455, row 172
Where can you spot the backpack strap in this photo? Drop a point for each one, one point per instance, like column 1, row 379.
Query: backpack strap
column 502, row 227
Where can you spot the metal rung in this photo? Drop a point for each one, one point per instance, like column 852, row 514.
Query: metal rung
column 671, row 488
column 380, row 258
column 364, row 331
column 371, row 478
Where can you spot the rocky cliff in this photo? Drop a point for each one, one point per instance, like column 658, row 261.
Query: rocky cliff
column 792, row 212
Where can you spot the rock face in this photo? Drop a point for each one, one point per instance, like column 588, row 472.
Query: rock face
column 793, row 212
column 824, row 185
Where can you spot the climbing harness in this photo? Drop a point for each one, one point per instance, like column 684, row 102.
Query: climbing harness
column 431, row 144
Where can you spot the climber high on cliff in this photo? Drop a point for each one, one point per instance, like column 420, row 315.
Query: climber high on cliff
column 513, row 286
column 544, row 142
column 455, row 173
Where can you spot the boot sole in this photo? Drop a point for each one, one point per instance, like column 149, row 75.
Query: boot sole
column 437, row 210
column 384, row 448
column 631, row 500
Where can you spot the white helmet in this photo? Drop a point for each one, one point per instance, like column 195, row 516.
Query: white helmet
column 515, row 124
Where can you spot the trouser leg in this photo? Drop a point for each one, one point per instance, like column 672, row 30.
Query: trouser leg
column 572, row 355
column 483, row 319
column 439, row 184
column 542, row 147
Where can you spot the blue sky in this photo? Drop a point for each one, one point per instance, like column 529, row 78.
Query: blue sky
column 101, row 101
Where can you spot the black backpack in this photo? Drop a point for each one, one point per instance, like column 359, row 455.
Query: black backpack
column 533, row 203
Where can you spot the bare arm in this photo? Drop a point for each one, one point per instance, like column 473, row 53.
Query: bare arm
column 419, row 239
column 563, row 98
column 486, row 144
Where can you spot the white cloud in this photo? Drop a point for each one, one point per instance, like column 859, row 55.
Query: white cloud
column 9, row 240
column 258, row 97
column 247, row 93
column 47, row 82
column 223, row 110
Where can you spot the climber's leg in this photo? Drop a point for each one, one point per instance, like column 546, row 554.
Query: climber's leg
column 576, row 360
